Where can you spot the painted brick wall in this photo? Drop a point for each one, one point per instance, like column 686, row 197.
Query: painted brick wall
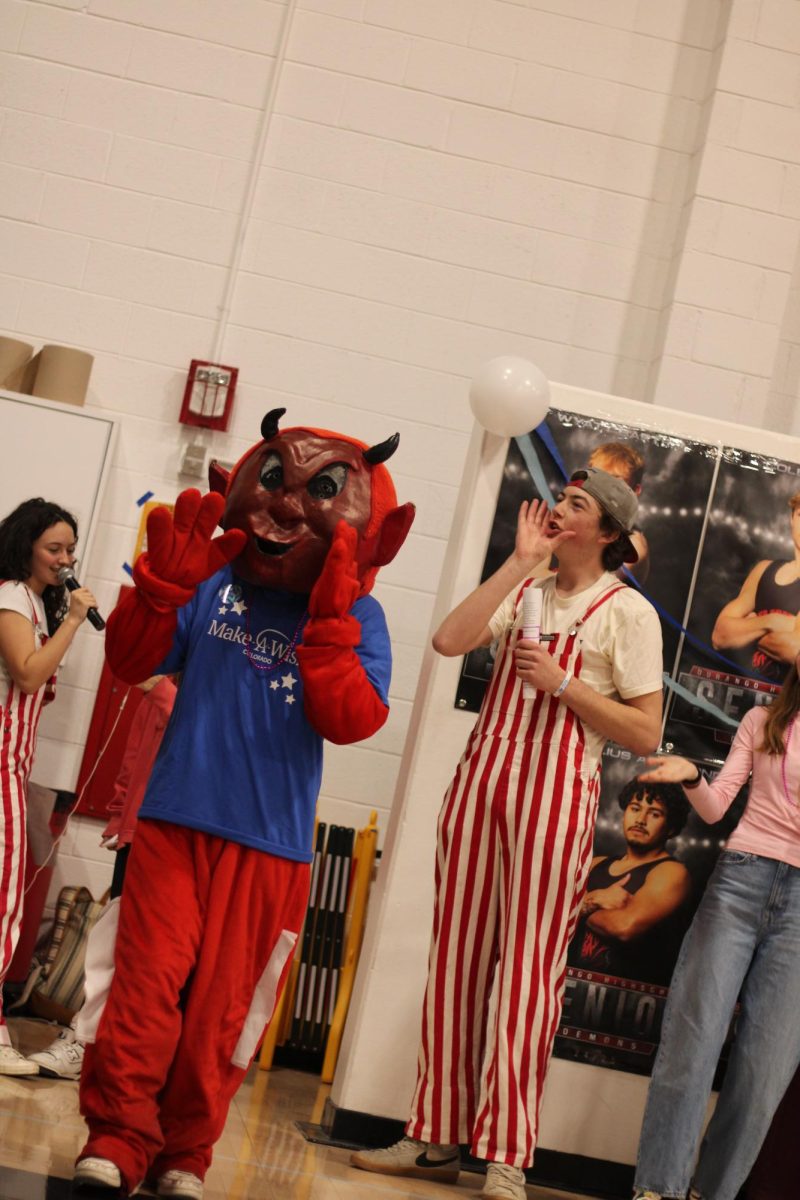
column 730, row 322
column 359, row 201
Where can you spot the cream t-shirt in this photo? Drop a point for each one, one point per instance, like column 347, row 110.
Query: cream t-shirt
column 18, row 597
column 620, row 643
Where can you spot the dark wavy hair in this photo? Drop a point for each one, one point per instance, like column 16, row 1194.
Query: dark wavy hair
column 670, row 795
column 613, row 556
column 18, row 531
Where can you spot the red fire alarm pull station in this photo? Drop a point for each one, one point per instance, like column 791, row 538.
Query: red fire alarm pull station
column 208, row 397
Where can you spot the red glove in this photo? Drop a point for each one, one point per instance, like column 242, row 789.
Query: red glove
column 181, row 553
column 339, row 700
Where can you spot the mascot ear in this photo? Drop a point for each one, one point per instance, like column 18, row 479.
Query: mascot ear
column 392, row 533
column 217, row 477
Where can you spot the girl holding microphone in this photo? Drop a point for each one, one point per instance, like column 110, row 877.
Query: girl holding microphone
column 38, row 621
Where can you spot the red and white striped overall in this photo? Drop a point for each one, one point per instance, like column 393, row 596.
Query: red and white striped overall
column 513, row 852
column 19, row 715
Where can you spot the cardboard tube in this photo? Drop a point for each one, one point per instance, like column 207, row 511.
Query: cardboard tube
column 63, row 374
column 14, row 357
column 29, row 375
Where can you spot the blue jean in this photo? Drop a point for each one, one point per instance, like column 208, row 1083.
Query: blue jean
column 744, row 942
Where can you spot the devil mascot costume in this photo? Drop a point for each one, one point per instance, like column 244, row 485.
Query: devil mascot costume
column 279, row 645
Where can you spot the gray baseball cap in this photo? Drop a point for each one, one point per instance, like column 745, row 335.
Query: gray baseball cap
column 614, row 497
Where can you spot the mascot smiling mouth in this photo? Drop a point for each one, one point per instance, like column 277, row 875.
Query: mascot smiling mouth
column 273, row 549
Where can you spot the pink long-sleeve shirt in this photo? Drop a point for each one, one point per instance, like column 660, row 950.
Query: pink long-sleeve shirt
column 770, row 824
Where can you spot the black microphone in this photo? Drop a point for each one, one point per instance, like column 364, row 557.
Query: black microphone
column 66, row 575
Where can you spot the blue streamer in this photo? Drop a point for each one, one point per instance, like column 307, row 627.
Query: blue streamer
column 709, row 651
column 543, row 431
column 698, row 701
column 528, row 452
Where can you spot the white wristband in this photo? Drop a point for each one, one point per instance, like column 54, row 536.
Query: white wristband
column 562, row 687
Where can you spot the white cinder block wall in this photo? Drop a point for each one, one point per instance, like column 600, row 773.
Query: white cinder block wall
column 357, row 202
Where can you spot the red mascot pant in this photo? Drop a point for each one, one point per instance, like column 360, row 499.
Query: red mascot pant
column 206, row 933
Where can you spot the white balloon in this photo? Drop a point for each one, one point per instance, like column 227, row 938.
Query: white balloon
column 509, row 396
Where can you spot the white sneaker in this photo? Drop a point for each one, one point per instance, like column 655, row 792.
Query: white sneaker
column 97, row 1172
column 180, row 1184
column 63, row 1058
column 14, row 1063
column 416, row 1160
column 504, row 1183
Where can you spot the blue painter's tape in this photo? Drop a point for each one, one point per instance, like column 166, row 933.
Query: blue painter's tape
column 128, row 568
column 699, row 701
column 143, row 499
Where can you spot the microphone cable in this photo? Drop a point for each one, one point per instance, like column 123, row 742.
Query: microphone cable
column 80, row 796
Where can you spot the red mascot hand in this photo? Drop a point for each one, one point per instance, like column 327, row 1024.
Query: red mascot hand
column 337, row 588
column 181, row 551
column 181, row 554
column 340, row 702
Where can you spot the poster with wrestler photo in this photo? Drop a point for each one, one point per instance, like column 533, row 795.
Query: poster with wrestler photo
column 651, row 858
column 673, row 478
column 744, row 629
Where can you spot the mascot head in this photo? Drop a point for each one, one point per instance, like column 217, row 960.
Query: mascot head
column 290, row 491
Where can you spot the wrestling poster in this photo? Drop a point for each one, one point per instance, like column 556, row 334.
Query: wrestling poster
column 741, row 631
column 619, row 963
column 718, row 536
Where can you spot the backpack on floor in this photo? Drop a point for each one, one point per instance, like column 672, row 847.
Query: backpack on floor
column 54, row 989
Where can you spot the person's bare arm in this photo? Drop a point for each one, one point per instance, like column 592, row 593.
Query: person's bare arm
column 667, row 886
column 737, row 625
column 588, row 904
column 783, row 644
column 710, row 800
column 634, row 724
column 467, row 626
column 27, row 666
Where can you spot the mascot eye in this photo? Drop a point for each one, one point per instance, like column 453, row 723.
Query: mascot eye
column 328, row 483
column 272, row 472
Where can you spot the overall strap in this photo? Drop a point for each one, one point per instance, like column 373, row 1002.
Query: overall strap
column 601, row 599
column 34, row 613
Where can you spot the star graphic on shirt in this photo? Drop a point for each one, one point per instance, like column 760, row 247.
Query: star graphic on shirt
column 290, row 699
column 288, row 681
column 274, row 685
column 239, row 607
column 222, row 610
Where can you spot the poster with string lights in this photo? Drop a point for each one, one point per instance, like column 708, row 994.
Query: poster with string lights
column 718, row 536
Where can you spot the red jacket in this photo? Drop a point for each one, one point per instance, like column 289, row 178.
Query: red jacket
column 144, row 739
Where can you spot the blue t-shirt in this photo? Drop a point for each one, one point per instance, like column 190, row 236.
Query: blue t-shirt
column 239, row 758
